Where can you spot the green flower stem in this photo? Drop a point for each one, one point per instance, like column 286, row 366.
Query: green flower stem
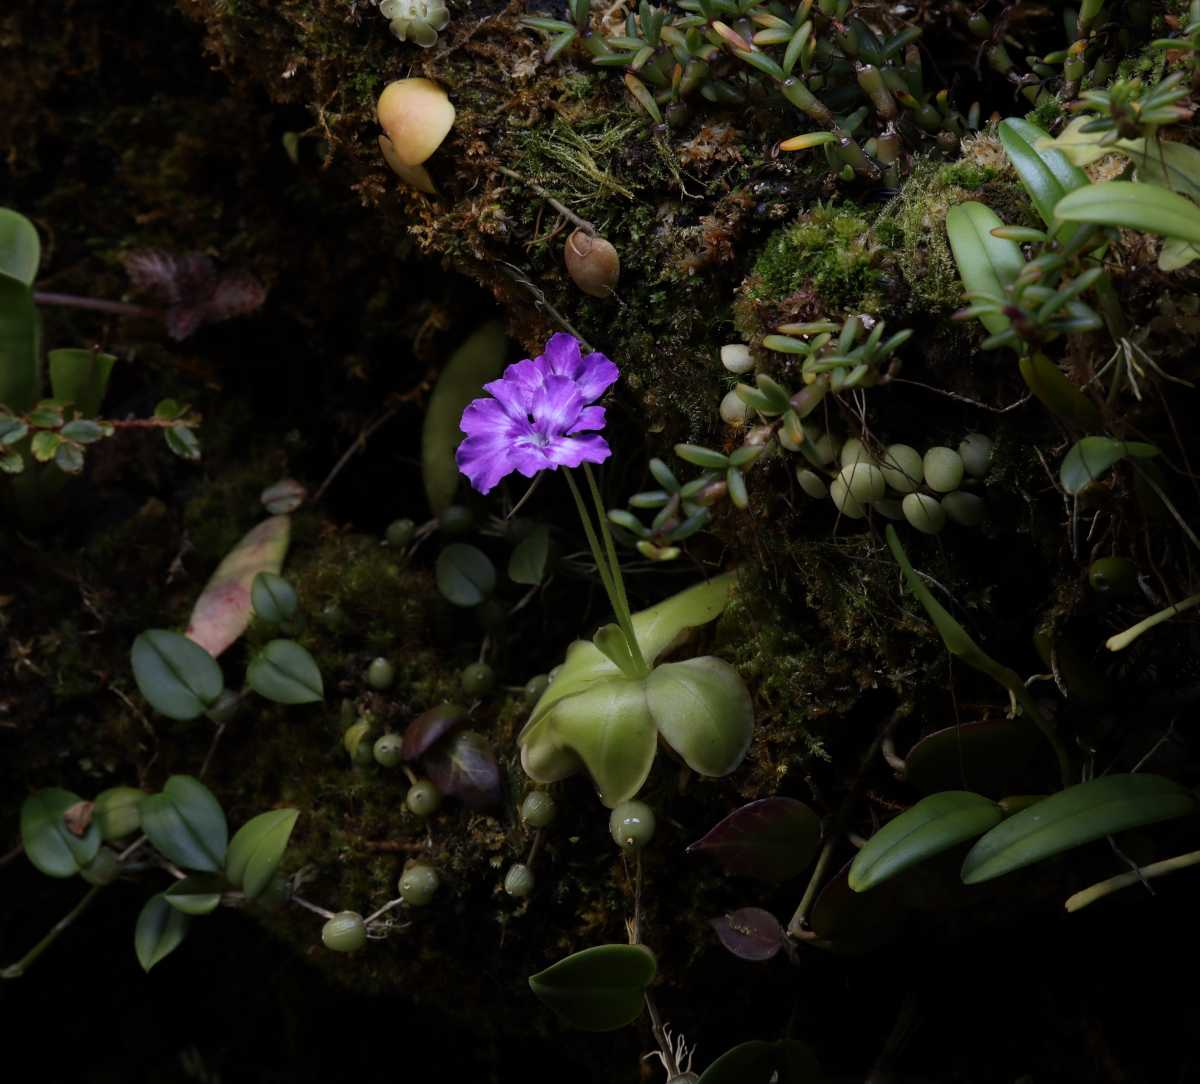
column 1124, row 880
column 15, row 971
column 1124, row 639
column 815, row 882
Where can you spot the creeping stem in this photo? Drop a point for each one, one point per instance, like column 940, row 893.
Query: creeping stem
column 15, row 971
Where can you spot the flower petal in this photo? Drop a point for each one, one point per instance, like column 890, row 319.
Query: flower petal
column 571, row 451
column 596, row 375
column 556, row 406
column 589, row 418
column 491, row 449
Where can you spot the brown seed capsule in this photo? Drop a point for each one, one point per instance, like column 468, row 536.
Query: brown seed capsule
column 593, row 263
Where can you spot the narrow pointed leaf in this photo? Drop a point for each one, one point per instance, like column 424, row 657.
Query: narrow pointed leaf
column 178, row 677
column 598, row 989
column 1133, row 206
column 286, row 673
column 52, row 847
column 770, row 840
column 159, row 931
column 257, row 849
column 187, row 824
column 1047, row 175
column 986, row 264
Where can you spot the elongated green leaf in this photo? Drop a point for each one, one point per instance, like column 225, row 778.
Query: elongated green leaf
column 187, row 824
column 528, row 561
column 465, row 575
column 177, row 676
column 286, row 673
column 933, row 825
column 159, row 931
column 1047, row 175
column 51, row 846
column 20, row 248
column 1133, row 206
column 598, row 989
column 785, row 1062
column 80, row 377
column 20, row 349
column 257, row 849
column 478, row 360
column 1077, row 815
column 1092, row 456
column 986, row 264
column 195, row 895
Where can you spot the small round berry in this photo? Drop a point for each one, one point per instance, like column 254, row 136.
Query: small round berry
column 976, row 452
column 519, row 880
column 534, row 688
column 631, row 824
column 456, row 519
column 401, row 533
column 345, row 932
column 812, row 483
column 847, row 505
column 478, row 679
column 1112, row 576
column 924, row 512
column 381, row 674
column 538, row 809
column 103, row 869
column 963, row 508
column 418, row 884
column 423, row 798
column 733, row 409
column 387, row 750
column 902, row 468
column 736, row 358
column 943, row 469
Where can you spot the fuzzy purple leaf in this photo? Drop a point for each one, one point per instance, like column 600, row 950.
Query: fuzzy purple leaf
column 237, row 292
column 769, row 840
column 465, row 767
column 751, row 933
column 429, row 729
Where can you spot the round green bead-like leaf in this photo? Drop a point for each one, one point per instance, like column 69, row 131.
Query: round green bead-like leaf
column 20, row 247
column 1077, row 815
column 933, row 825
column 187, row 824
column 257, row 849
column 50, row 845
column 273, row 598
column 465, row 575
column 195, row 895
column 160, row 928
column 598, row 989
column 528, row 561
column 758, row 1062
column 177, row 676
column 286, row 673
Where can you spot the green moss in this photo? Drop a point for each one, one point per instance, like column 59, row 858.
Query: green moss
column 967, row 175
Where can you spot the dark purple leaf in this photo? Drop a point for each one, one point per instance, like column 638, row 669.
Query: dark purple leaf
column 465, row 767
column 237, row 292
column 430, row 728
column 770, row 840
column 189, row 284
column 856, row 921
column 750, row 934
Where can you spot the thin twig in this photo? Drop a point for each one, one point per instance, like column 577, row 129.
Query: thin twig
column 15, row 971
column 120, row 308
column 313, row 907
column 360, row 442
column 517, row 275
column 964, row 399
column 566, row 212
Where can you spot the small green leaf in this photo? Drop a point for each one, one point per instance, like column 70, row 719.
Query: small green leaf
column 50, row 845
column 177, row 676
column 45, row 445
column 82, row 431
column 1133, row 206
column 598, row 989
column 195, row 895
column 465, row 575
column 933, row 825
column 160, row 929
column 183, row 443
column 1072, row 817
column 1092, row 456
column 12, row 429
column 20, row 248
column 273, row 598
column 986, row 264
column 187, row 824
column 69, row 458
column 528, row 561
column 11, row 462
column 785, row 1062
column 701, row 456
column 257, row 849
column 286, row 673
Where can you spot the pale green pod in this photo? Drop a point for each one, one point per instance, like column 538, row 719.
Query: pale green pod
column 733, row 410
column 812, row 483
column 736, row 358
column 519, row 880
column 976, row 453
column 418, row 884
column 963, row 508
column 863, row 482
column 345, row 932
column 854, row 451
column 538, row 809
column 846, row 504
column 924, row 512
column 902, row 467
column 423, row 798
column 632, row 825
column 943, row 469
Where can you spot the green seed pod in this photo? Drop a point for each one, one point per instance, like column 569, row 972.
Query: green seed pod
column 963, row 508
column 976, row 452
column 736, row 357
column 902, row 468
column 418, row 884
column 478, row 679
column 115, row 813
column 853, row 451
column 381, row 674
column 423, row 798
column 943, row 469
column 733, row 410
column 980, row 26
column 924, row 512
column 345, row 932
column 386, row 750
column 401, row 533
column 534, row 688
column 538, row 809
column 103, row 869
column 519, row 880
column 225, row 707
column 278, row 894
column 863, row 482
column 456, row 519
column 1112, row 576
column 812, row 483
column 631, row 825
column 592, row 263
column 847, row 505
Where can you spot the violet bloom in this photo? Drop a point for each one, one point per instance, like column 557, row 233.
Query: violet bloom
column 538, row 417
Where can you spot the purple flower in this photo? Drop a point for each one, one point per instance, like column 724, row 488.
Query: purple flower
column 537, row 417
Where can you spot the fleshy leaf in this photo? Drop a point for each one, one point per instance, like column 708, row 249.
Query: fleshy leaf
column 770, row 840
column 750, row 934
column 431, row 727
column 464, row 767
column 286, row 673
column 598, row 989
column 159, row 931
column 224, row 608
column 51, row 846
column 528, row 561
column 187, row 824
column 1091, row 457
column 788, row 1061
column 257, row 849
column 986, row 264
column 465, row 575
column 176, row 675
column 20, row 246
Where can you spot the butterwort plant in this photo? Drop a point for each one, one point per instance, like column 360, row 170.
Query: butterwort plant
column 611, row 701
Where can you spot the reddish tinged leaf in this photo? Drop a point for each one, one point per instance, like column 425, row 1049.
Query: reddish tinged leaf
column 984, row 757
column 192, row 289
column 769, row 840
column 237, row 292
column 465, row 767
column 750, row 934
column 427, row 730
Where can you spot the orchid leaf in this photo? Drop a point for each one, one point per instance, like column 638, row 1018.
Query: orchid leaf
column 50, row 845
column 750, row 934
column 598, row 989
column 770, row 840
column 1092, row 456
column 1046, row 174
column 178, row 677
column 286, row 673
column 187, row 824
column 273, row 598
column 465, row 574
column 195, row 895
column 160, row 930
column 986, row 264
column 1133, row 206
column 256, row 850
